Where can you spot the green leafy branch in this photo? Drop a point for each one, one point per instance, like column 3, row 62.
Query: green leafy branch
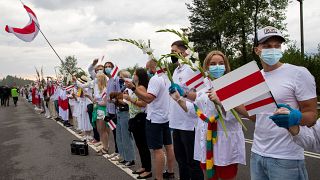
column 140, row 44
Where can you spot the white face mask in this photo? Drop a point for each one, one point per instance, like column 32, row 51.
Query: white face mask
column 99, row 71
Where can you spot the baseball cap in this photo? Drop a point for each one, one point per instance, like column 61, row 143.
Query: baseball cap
column 267, row 32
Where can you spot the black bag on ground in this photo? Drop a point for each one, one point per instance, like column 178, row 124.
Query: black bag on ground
column 79, row 148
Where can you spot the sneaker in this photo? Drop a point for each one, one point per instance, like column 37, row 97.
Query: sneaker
column 128, row 164
column 167, row 175
column 66, row 124
column 123, row 162
column 112, row 155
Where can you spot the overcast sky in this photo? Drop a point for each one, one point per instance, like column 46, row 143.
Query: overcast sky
column 82, row 28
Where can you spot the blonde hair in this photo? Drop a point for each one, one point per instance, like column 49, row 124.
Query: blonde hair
column 101, row 81
column 207, row 60
column 125, row 74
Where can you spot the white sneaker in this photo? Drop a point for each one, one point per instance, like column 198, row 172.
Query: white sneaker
column 112, row 155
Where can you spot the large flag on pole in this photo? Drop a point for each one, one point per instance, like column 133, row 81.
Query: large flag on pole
column 240, row 86
column 30, row 31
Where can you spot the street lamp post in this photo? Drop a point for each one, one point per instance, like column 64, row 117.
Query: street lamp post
column 301, row 28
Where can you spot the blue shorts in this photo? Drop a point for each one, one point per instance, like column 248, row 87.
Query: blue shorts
column 158, row 135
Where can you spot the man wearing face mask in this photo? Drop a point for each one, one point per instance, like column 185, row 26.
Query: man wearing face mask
column 113, row 85
column 274, row 154
column 182, row 123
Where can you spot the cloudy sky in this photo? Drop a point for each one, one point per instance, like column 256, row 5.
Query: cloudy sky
column 82, row 28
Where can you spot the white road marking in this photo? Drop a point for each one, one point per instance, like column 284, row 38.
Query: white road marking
column 306, row 153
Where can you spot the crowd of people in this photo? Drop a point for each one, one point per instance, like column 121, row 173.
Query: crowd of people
column 161, row 118
column 6, row 92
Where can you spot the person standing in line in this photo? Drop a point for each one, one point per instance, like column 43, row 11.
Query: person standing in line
column 274, row 153
column 157, row 124
column 182, row 123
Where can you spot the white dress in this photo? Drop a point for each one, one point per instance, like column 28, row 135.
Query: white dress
column 84, row 122
column 227, row 150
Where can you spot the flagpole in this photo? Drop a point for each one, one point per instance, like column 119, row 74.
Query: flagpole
column 49, row 42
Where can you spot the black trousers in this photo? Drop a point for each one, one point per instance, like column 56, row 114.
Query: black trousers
column 15, row 100
column 139, row 134
column 183, row 143
column 96, row 135
column 2, row 100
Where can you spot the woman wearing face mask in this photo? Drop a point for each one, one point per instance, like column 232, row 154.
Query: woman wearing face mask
column 124, row 138
column 229, row 150
column 137, row 122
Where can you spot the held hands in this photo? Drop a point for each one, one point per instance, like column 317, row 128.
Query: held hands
column 129, row 84
column 126, row 97
column 175, row 87
column 286, row 117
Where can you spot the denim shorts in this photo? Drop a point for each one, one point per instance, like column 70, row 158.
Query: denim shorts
column 158, row 135
column 266, row 168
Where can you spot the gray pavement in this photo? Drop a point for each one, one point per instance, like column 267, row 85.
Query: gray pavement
column 32, row 147
column 36, row 148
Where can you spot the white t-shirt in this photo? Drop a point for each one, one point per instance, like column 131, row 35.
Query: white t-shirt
column 158, row 109
column 288, row 84
column 178, row 118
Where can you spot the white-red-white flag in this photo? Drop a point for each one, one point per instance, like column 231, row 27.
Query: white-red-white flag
column 63, row 105
column 30, row 31
column 196, row 81
column 69, row 88
column 161, row 70
column 240, row 86
column 114, row 72
column 112, row 125
column 261, row 104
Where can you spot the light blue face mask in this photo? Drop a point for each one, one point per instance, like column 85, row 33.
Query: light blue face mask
column 107, row 70
column 150, row 74
column 271, row 56
column 217, row 70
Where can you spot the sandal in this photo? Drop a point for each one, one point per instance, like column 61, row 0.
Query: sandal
column 102, row 152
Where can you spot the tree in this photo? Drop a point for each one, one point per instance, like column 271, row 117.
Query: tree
column 229, row 26
column 67, row 68
column 69, row 65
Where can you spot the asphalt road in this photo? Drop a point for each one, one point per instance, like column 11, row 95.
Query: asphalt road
column 35, row 148
column 32, row 147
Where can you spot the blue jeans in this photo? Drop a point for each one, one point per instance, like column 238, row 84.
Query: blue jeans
column 124, row 138
column 266, row 168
